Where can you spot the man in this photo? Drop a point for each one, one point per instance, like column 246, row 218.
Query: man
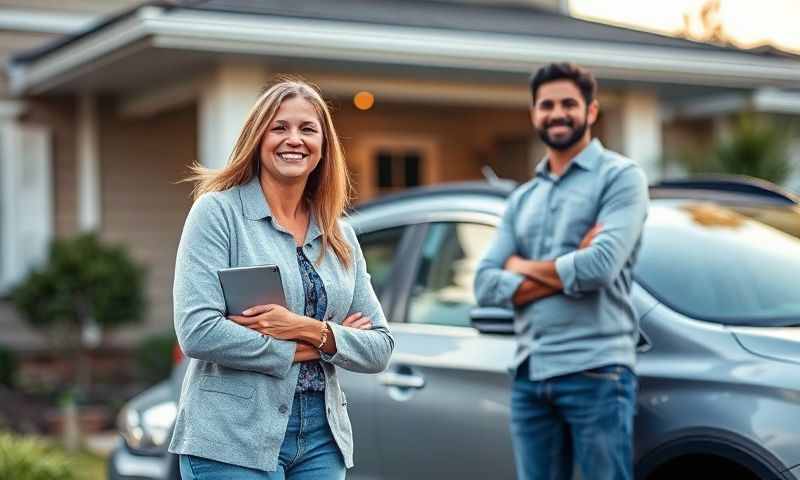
column 562, row 259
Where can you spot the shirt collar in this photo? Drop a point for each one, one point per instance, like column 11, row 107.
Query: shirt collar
column 254, row 203
column 256, row 207
column 587, row 159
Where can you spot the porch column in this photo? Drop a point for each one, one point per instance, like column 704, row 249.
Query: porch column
column 88, row 155
column 640, row 128
column 225, row 100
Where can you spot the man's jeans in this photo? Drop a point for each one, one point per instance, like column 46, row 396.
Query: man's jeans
column 308, row 452
column 585, row 419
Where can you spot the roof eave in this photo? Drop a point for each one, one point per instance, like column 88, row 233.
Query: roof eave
column 338, row 40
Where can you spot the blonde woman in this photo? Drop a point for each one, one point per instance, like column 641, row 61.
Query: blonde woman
column 260, row 399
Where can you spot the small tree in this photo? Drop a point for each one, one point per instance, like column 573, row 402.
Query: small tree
column 756, row 147
column 85, row 284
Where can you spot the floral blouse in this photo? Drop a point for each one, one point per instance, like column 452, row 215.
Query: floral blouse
column 311, row 378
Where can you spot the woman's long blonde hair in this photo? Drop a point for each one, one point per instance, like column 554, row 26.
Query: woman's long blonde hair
column 328, row 189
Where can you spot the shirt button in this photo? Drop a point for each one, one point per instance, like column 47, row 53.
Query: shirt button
column 329, row 410
column 283, row 409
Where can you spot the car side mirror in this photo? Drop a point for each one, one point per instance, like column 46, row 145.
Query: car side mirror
column 492, row 320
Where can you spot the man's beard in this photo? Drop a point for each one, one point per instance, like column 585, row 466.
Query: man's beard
column 566, row 143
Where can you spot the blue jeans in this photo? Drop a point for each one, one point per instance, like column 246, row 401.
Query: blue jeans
column 308, row 452
column 583, row 419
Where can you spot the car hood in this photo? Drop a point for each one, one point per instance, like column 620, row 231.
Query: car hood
column 158, row 393
column 778, row 343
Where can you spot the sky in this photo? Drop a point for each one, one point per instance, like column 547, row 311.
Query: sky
column 748, row 22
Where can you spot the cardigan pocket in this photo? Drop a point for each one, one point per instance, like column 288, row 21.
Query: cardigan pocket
column 211, row 383
column 227, row 401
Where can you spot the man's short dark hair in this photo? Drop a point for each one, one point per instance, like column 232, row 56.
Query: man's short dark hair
column 582, row 78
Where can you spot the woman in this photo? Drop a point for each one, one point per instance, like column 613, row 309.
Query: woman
column 260, row 399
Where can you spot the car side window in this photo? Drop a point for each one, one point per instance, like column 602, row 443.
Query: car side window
column 442, row 292
column 380, row 248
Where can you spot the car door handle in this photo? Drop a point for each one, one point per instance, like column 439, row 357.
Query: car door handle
column 402, row 380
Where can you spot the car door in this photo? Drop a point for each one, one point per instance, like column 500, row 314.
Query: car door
column 443, row 404
column 382, row 248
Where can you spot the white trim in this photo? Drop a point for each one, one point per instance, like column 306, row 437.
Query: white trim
column 89, row 206
column 323, row 39
column 65, row 63
column 766, row 100
column 427, row 46
column 708, row 106
column 776, row 101
column 44, row 21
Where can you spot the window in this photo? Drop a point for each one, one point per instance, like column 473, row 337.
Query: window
column 386, row 162
column 26, row 216
column 397, row 169
column 730, row 266
column 442, row 293
column 380, row 248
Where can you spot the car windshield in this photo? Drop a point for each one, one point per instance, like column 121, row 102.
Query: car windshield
column 732, row 265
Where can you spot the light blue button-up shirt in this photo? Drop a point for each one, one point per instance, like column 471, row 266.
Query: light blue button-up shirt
column 591, row 323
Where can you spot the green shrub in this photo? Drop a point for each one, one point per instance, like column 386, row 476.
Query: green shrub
column 756, row 147
column 8, row 367
column 85, row 284
column 83, row 279
column 154, row 356
column 25, row 458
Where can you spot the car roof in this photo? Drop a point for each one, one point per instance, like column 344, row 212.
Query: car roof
column 722, row 189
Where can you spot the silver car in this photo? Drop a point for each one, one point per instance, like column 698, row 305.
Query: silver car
column 719, row 347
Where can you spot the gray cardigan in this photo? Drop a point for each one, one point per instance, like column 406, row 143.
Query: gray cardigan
column 237, row 395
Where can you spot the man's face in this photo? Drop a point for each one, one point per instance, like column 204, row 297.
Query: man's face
column 560, row 114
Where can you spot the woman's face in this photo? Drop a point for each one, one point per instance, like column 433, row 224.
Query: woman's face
column 292, row 145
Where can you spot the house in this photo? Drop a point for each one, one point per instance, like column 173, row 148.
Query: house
column 99, row 125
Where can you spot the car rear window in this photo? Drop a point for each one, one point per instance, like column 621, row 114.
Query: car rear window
column 729, row 265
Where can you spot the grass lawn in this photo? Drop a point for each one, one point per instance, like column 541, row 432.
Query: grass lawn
column 88, row 466
column 28, row 457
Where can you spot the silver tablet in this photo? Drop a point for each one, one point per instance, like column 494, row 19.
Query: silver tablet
column 245, row 287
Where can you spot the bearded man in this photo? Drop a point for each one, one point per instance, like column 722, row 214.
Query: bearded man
column 562, row 259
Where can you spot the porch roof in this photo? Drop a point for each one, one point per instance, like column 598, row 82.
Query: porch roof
column 162, row 40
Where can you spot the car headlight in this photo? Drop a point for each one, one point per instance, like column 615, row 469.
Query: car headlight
column 148, row 430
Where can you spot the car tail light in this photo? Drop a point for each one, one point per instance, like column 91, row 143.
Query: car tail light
column 177, row 354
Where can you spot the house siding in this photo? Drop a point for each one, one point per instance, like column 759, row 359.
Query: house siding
column 143, row 205
column 465, row 137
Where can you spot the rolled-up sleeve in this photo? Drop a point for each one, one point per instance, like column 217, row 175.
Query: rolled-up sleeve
column 565, row 267
column 363, row 351
column 494, row 285
column 202, row 329
column 622, row 213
